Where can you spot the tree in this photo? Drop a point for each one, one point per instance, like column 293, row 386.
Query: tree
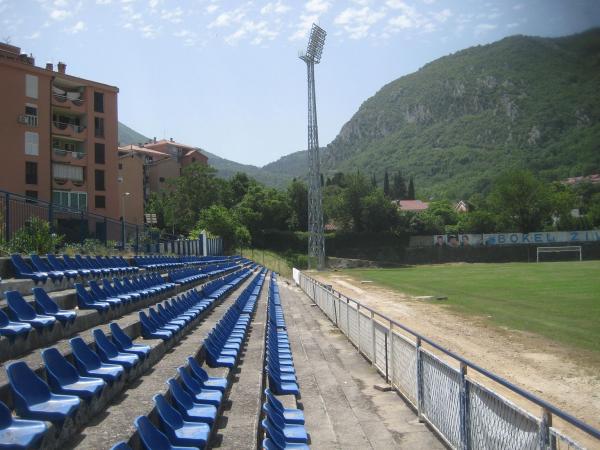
column 263, row 208
column 411, row 189
column 386, row 184
column 378, row 213
column 373, row 181
column 522, row 201
column 298, row 200
column 357, row 187
column 223, row 222
column 239, row 185
column 398, row 187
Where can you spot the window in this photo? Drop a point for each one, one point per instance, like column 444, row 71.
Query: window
column 75, row 200
column 31, row 86
column 120, row 166
column 99, row 127
column 31, row 195
column 31, row 115
column 161, row 179
column 98, row 102
column 67, row 172
column 31, row 172
column 31, row 143
column 99, row 153
column 99, row 180
column 100, row 201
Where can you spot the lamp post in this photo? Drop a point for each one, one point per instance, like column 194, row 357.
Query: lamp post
column 123, row 195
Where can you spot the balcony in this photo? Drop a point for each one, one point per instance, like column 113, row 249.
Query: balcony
column 28, row 119
column 68, row 129
column 72, row 101
column 76, row 157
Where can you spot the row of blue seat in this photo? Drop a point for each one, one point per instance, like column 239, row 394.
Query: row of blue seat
column 187, row 276
column 69, row 268
column 25, row 317
column 284, row 428
column 163, row 323
column 186, row 420
column 66, row 385
column 224, row 341
column 121, row 292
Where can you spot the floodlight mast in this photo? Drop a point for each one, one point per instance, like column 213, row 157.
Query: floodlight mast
column 316, row 237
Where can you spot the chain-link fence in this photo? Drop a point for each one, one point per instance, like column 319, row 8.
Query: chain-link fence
column 445, row 389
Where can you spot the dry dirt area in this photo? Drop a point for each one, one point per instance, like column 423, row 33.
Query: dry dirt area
column 567, row 378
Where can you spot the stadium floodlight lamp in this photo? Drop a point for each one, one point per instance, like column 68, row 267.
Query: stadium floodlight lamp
column 316, row 42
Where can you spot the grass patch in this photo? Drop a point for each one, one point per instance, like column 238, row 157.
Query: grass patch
column 559, row 300
column 270, row 260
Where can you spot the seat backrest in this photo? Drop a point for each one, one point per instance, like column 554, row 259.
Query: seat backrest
column 96, row 290
column 150, row 436
column 3, row 319
column 190, row 383
column 196, row 369
column 44, row 300
column 82, row 294
column 39, row 263
column 58, row 366
column 20, row 265
column 18, row 306
column 55, row 262
column 84, row 355
column 26, row 384
column 121, row 446
column 119, row 335
column 179, row 395
column 169, row 415
column 146, row 322
column 103, row 344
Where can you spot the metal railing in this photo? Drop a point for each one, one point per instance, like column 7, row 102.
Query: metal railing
column 64, row 125
column 465, row 413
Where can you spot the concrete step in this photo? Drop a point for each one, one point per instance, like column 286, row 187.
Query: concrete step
column 341, row 406
column 238, row 427
column 116, row 423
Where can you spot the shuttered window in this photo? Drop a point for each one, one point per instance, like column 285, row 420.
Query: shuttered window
column 67, row 172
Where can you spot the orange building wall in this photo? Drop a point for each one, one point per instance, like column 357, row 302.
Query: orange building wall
column 131, row 173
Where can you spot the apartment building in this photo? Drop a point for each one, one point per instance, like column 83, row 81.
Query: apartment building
column 59, row 135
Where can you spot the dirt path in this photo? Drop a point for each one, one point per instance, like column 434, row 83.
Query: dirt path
column 567, row 378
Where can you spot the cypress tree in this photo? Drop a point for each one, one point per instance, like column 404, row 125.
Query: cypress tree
column 386, row 184
column 411, row 189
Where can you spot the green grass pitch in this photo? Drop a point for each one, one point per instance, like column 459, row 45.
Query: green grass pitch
column 559, row 300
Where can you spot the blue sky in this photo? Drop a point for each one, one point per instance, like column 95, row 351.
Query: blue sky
column 224, row 75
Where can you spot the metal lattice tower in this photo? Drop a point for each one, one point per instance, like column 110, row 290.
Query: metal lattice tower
column 316, row 238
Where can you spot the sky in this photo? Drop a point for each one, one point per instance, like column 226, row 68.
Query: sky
column 225, row 76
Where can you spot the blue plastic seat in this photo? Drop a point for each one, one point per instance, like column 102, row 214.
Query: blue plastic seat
column 71, row 264
column 100, row 295
column 13, row 329
column 45, row 305
column 24, row 312
column 189, row 409
column 178, row 430
column 41, row 266
column 151, row 331
column 109, row 353
column 290, row 415
column 291, row 432
column 195, row 388
column 23, row 270
column 64, row 378
column 125, row 344
column 152, row 438
column 19, row 433
column 200, row 374
column 56, row 264
column 296, row 436
column 33, row 399
column 85, row 300
column 90, row 364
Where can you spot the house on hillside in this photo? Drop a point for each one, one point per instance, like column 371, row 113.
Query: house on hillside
column 411, row 205
column 594, row 179
column 461, row 207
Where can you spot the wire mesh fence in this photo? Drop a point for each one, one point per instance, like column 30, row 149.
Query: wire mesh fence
column 465, row 413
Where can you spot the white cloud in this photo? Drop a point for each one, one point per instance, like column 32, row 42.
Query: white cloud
column 148, row 31
column 211, row 8
column 103, row 2
column 34, row 35
column 257, row 32
column 153, row 4
column 228, row 18
column 77, row 28
column 60, row 14
column 485, row 27
column 512, row 25
column 303, row 27
column 317, row 6
column 518, row 6
column 429, row 2
column 173, row 16
column 277, row 7
column 442, row 16
column 357, row 22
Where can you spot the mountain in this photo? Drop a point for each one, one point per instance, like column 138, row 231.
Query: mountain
column 455, row 123
column 225, row 168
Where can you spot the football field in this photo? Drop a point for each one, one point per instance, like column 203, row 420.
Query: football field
column 559, row 300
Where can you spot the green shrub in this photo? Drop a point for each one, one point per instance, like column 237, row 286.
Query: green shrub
column 34, row 237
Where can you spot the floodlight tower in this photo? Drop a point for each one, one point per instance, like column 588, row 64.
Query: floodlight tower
column 316, row 238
